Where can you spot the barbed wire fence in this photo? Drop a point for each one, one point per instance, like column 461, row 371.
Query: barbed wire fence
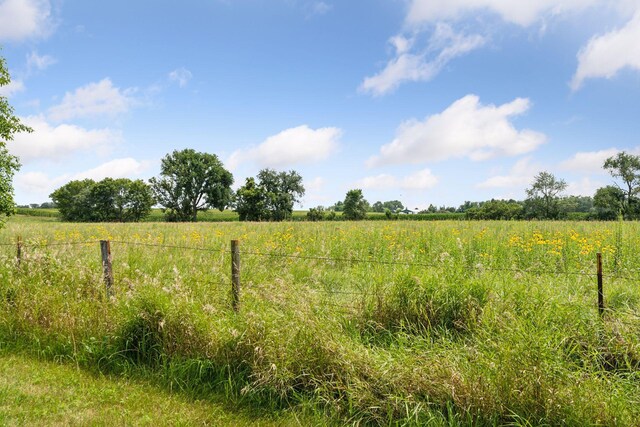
column 234, row 254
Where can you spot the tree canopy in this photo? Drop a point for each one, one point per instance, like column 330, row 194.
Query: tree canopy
column 355, row 205
column 627, row 168
column 109, row 200
column 9, row 164
column 189, row 182
column 271, row 197
column 543, row 196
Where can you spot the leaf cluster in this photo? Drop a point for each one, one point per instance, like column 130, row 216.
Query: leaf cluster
column 109, row 200
column 189, row 182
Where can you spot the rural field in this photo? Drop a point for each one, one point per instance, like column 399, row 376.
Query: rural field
column 375, row 322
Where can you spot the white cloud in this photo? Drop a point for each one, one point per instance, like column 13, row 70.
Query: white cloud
column 465, row 129
column 290, row 147
column 181, row 76
column 94, row 99
column 605, row 55
column 38, row 62
column 588, row 161
column 12, row 88
column 521, row 175
column 117, row 168
column 408, row 65
column 40, row 185
column 22, row 19
column 49, row 142
column 523, row 13
column 420, row 180
column 584, row 187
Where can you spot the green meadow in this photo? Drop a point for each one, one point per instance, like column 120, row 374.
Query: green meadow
column 369, row 323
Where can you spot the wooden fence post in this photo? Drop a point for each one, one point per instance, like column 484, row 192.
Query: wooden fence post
column 107, row 271
column 19, row 250
column 235, row 274
column 600, row 291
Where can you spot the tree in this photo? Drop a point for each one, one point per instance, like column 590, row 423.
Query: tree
column 189, row 182
column 250, row 202
column 542, row 197
column 609, row 202
column 282, row 190
column 109, row 200
column 9, row 164
column 355, row 206
column 71, row 200
column 316, row 214
column 627, row 168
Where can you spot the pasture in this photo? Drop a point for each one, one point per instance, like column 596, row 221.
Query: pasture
column 377, row 322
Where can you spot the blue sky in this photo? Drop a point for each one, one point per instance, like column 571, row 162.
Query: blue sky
column 425, row 101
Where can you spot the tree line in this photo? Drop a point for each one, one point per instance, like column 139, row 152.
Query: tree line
column 191, row 181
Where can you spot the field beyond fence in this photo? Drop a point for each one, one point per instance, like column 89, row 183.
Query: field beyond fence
column 451, row 322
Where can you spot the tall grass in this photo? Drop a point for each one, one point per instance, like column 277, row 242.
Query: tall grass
column 449, row 323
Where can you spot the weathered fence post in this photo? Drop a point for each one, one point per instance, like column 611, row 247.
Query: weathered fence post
column 600, row 292
column 107, row 271
column 19, row 250
column 235, row 274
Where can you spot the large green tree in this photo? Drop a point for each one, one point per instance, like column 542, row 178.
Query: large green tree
column 543, row 196
column 609, row 202
column 250, row 202
column 271, row 197
column 9, row 164
column 626, row 167
column 355, row 205
column 189, row 182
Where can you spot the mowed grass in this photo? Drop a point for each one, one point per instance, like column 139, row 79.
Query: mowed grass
column 387, row 323
column 46, row 393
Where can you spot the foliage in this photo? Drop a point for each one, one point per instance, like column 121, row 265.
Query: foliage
column 355, row 205
column 109, row 200
column 542, row 197
column 392, row 205
column 9, row 164
column 271, row 198
column 496, row 209
column 189, row 182
column 627, row 168
column 250, row 203
column 316, row 214
column 609, row 202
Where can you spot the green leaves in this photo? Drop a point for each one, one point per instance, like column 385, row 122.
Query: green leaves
column 9, row 126
column 110, row 200
column 189, row 182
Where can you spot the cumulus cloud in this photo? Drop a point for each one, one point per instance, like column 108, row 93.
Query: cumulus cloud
column 48, row 142
column 588, row 161
column 605, row 55
column 421, row 180
column 523, row 13
column 181, row 76
column 41, row 185
column 291, row 147
column 465, row 129
column 412, row 64
column 94, row 99
column 584, row 187
column 23, row 19
column 521, row 175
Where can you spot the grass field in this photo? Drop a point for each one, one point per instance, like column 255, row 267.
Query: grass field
column 388, row 323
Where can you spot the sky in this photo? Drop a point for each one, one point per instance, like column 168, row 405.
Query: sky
column 423, row 101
